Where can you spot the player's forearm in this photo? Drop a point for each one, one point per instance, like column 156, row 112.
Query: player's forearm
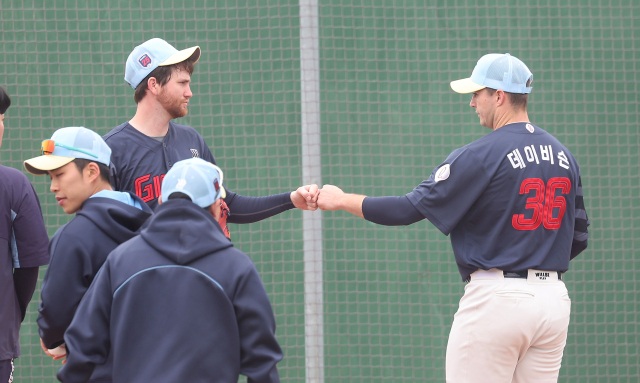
column 56, row 310
column 352, row 203
column 578, row 247
column 253, row 209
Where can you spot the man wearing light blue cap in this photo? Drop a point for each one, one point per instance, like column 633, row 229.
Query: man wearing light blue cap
column 77, row 161
column 512, row 203
column 178, row 303
column 148, row 145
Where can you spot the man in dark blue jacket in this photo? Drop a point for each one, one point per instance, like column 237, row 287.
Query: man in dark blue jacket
column 178, row 303
column 23, row 249
column 77, row 160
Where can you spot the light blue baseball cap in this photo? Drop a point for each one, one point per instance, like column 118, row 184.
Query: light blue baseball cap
column 497, row 71
column 66, row 145
column 197, row 178
column 151, row 54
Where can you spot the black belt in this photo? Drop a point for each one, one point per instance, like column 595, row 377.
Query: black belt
column 523, row 274
column 516, row 274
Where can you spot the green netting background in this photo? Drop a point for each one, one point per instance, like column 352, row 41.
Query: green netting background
column 388, row 118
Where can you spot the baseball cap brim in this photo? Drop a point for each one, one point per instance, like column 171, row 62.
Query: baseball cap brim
column 182, row 55
column 465, row 86
column 41, row 165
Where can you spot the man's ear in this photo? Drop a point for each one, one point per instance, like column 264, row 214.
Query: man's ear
column 501, row 97
column 153, row 86
column 91, row 171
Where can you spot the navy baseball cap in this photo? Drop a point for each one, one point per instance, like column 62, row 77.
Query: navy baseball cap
column 66, row 145
column 497, row 71
column 154, row 53
column 197, row 178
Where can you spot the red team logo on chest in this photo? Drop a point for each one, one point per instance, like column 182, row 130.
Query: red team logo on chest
column 151, row 190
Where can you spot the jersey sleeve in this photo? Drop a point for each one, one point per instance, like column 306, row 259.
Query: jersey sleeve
column 29, row 242
column 451, row 190
column 580, row 233
column 253, row 209
column 390, row 211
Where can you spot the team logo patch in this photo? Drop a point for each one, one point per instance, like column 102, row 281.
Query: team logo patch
column 216, row 184
column 194, row 153
column 529, row 128
column 181, row 184
column 145, row 60
column 443, row 173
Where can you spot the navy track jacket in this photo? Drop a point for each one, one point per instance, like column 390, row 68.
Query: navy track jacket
column 78, row 250
column 178, row 303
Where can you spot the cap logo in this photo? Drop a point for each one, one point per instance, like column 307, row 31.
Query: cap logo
column 216, row 184
column 529, row 128
column 443, row 173
column 181, row 184
column 144, row 60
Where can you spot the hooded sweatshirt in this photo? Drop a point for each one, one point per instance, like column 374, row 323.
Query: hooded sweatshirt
column 78, row 250
column 178, row 303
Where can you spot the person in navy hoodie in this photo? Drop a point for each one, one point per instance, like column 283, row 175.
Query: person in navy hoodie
column 23, row 249
column 77, row 161
column 178, row 303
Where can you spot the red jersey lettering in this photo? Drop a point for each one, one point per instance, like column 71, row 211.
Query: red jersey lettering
column 543, row 203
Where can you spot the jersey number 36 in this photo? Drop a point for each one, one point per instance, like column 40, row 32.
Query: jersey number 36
column 543, row 202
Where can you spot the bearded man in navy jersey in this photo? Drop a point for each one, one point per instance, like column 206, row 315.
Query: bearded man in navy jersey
column 148, row 145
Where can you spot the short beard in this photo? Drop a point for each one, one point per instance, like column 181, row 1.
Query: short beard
column 175, row 111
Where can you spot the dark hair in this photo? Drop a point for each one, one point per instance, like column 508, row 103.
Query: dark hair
column 5, row 101
column 162, row 75
column 105, row 172
column 179, row 195
column 518, row 100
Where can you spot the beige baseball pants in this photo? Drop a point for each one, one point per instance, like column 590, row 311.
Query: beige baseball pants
column 509, row 329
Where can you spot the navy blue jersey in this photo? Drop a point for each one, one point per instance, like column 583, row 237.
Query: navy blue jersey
column 510, row 200
column 139, row 162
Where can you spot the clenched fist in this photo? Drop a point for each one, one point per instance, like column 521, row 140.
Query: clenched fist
column 330, row 198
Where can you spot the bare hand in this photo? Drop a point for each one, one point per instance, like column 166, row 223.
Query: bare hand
column 330, row 198
column 57, row 353
column 306, row 197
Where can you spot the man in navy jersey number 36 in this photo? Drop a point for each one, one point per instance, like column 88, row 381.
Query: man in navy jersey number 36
column 512, row 203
